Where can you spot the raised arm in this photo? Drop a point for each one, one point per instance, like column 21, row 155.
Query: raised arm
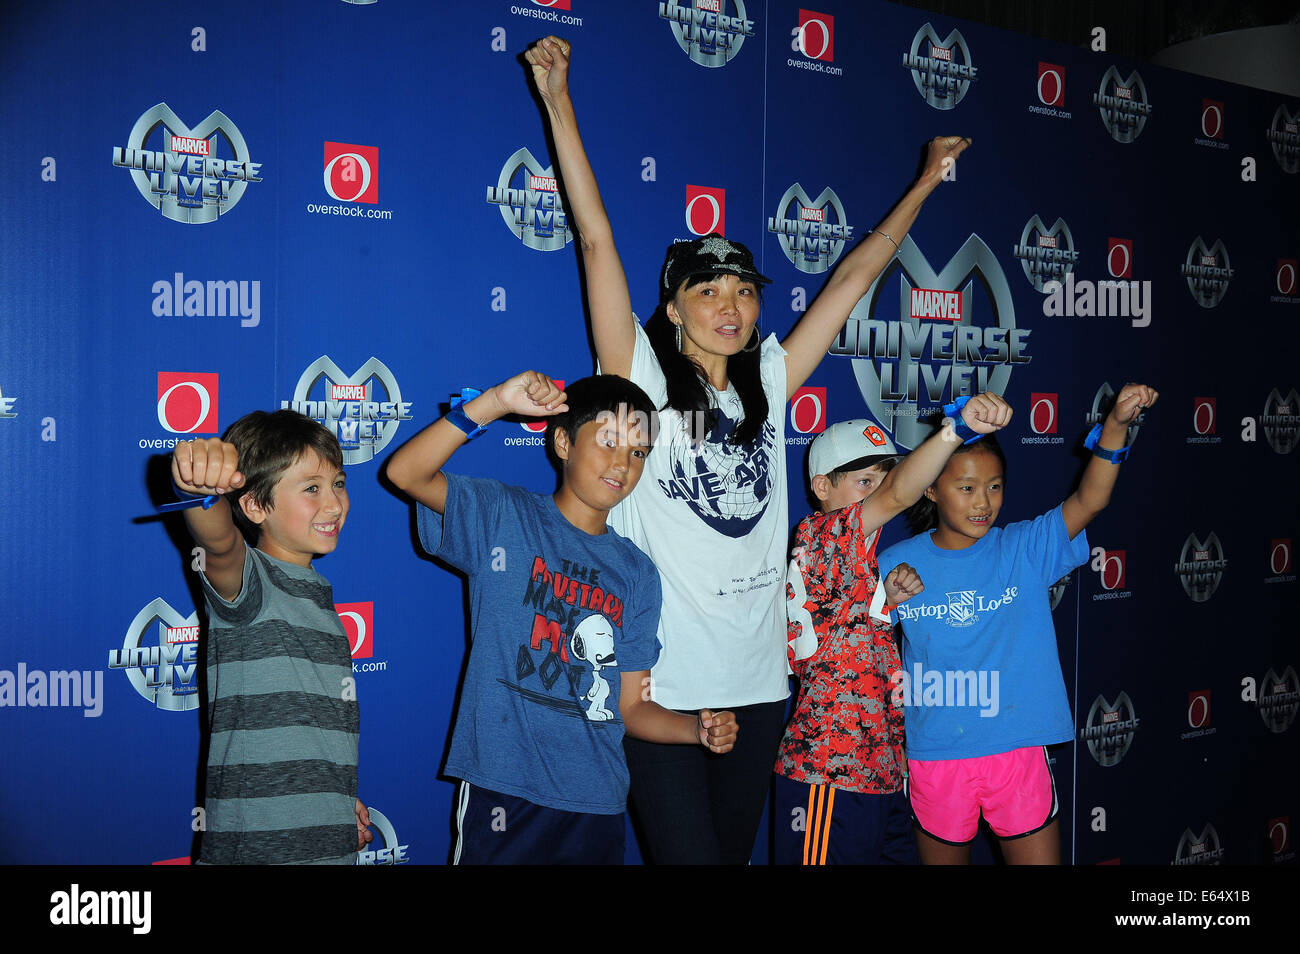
column 206, row 467
column 417, row 466
column 607, row 294
column 810, row 339
column 904, row 485
column 1100, row 475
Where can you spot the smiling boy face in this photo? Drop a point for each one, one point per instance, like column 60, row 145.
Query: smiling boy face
column 309, row 507
column 602, row 463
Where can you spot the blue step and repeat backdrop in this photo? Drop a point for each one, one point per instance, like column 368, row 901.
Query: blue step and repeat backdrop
column 350, row 208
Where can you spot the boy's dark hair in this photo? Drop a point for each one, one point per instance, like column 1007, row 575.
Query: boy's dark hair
column 685, row 381
column 924, row 514
column 886, row 463
column 590, row 397
column 269, row 443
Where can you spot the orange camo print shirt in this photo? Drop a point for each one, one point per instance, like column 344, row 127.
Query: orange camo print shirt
column 845, row 731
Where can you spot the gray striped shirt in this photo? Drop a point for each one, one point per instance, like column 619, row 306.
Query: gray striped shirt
column 282, row 762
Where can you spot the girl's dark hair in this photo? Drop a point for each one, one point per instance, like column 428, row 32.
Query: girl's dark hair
column 269, row 443
column 687, row 382
column 923, row 515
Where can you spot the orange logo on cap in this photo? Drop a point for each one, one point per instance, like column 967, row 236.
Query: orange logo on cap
column 875, row 435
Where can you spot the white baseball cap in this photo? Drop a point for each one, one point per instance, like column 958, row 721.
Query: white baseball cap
column 847, row 441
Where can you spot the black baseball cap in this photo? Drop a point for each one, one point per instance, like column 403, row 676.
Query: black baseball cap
column 709, row 255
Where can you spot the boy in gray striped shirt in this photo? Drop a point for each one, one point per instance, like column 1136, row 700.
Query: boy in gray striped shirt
column 282, row 759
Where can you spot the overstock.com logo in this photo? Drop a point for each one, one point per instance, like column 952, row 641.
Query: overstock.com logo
column 1212, row 119
column 1043, row 415
column 352, row 172
column 1051, row 84
column 706, row 210
column 359, row 623
column 817, row 35
column 1111, row 569
column 1119, row 257
column 808, row 410
column 187, row 402
column 1279, row 556
column 1286, row 275
column 1198, row 708
column 1204, row 415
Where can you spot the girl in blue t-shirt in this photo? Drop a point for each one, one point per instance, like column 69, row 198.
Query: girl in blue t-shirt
column 981, row 676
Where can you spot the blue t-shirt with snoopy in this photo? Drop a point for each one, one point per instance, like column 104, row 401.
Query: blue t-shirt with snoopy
column 981, row 672
column 557, row 615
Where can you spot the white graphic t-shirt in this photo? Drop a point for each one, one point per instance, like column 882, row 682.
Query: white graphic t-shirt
column 713, row 517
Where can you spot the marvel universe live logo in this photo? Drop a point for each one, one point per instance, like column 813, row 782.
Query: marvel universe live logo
column 389, row 850
column 1202, row 849
column 1109, row 729
column 363, row 426
column 164, row 674
column 812, row 233
column 1284, row 137
column 942, row 357
column 705, row 32
column 1122, row 104
column 528, row 198
column 184, row 179
column 934, row 340
column 1207, row 271
column 941, row 70
column 1045, row 254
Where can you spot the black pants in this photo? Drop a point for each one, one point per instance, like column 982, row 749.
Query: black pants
column 697, row 808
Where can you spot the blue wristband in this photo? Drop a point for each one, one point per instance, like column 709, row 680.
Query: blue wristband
column 188, row 500
column 959, row 427
column 1090, row 442
column 457, row 417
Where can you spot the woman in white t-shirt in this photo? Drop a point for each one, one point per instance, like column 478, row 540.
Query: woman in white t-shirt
column 711, row 506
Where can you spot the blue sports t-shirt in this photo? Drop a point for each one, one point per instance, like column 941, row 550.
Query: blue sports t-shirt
column 982, row 673
column 557, row 615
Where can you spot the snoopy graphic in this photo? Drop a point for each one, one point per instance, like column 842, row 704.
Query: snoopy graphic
column 593, row 642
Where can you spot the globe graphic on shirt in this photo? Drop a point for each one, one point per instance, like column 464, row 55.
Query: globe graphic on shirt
column 726, row 485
